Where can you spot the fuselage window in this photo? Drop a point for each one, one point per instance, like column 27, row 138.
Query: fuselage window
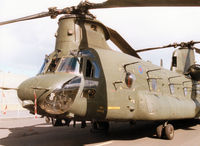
column 174, row 61
column 171, row 87
column 154, row 84
column 197, row 87
column 185, row 91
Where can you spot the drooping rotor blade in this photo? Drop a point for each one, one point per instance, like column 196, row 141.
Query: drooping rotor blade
column 119, row 41
column 189, row 45
column 144, row 3
column 156, row 48
column 7, row 88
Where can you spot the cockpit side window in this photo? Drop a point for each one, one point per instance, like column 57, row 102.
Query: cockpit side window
column 81, row 65
column 44, row 65
column 97, row 70
column 92, row 69
column 89, row 69
column 42, row 68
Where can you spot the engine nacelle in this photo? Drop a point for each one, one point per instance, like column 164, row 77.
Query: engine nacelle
column 194, row 72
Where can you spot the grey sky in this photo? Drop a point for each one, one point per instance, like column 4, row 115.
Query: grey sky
column 24, row 44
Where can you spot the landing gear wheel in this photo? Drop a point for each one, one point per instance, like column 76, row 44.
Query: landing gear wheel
column 169, row 131
column 67, row 122
column 159, row 131
column 56, row 122
column 83, row 124
column 47, row 119
column 100, row 127
column 104, row 126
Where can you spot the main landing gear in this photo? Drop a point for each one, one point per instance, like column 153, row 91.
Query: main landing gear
column 99, row 126
column 165, row 131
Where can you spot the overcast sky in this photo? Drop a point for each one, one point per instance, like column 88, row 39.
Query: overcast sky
column 23, row 45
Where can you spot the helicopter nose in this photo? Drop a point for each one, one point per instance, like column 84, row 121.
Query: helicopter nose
column 40, row 87
column 60, row 100
column 25, row 93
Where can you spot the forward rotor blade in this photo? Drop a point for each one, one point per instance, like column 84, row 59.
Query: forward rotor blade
column 145, row 3
column 39, row 15
column 119, row 41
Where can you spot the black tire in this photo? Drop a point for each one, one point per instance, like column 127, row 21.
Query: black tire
column 159, row 131
column 56, row 122
column 53, row 121
column 94, row 125
column 169, row 132
column 103, row 126
column 47, row 119
column 100, row 127
column 67, row 122
column 83, row 124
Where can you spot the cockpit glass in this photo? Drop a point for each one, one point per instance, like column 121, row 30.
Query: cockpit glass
column 69, row 65
column 53, row 65
column 42, row 69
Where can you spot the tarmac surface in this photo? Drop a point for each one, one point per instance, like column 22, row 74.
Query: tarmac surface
column 33, row 132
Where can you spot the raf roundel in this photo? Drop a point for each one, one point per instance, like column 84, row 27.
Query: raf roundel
column 140, row 69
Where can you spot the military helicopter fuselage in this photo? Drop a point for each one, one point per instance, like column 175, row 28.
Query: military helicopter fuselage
column 84, row 78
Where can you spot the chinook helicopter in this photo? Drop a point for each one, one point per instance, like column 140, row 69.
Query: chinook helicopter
column 83, row 79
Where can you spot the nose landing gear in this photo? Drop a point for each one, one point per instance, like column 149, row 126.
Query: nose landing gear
column 63, row 122
column 60, row 122
column 57, row 122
